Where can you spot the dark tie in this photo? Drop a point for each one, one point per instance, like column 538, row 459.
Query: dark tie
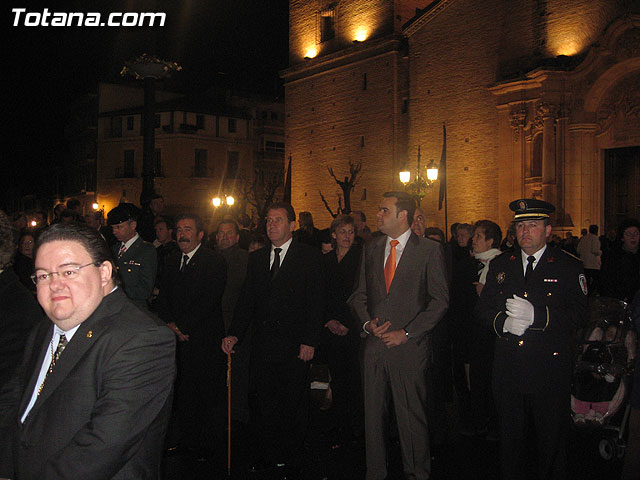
column 529, row 271
column 276, row 262
column 62, row 344
column 185, row 260
column 123, row 249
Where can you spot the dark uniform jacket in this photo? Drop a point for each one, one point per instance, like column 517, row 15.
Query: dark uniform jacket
column 557, row 290
column 137, row 269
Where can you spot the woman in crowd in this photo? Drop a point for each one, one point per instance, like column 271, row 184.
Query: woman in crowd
column 620, row 271
column 23, row 261
column 341, row 336
column 476, row 340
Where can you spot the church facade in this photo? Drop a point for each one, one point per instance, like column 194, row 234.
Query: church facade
column 540, row 98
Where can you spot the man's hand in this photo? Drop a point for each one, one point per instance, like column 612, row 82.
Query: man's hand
column 181, row 337
column 373, row 328
column 228, row 343
column 306, row 352
column 336, row 328
column 394, row 338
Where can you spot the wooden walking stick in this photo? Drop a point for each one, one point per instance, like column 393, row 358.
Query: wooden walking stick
column 229, row 414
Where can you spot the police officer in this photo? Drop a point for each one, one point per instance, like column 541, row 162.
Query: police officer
column 533, row 300
column 136, row 260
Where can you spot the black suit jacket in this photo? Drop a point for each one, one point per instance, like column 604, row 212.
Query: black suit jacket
column 542, row 356
column 19, row 312
column 103, row 411
column 286, row 311
column 193, row 298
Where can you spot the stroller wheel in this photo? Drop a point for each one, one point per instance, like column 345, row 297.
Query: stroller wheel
column 607, row 449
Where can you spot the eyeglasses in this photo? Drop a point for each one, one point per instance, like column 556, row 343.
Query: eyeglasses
column 69, row 273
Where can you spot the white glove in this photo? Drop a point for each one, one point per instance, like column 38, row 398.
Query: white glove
column 520, row 308
column 520, row 315
column 515, row 325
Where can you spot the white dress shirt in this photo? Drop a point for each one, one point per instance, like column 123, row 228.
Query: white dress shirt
column 46, row 362
column 525, row 262
column 285, row 248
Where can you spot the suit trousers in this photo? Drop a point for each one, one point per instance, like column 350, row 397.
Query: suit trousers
column 547, row 412
column 398, row 372
column 283, row 398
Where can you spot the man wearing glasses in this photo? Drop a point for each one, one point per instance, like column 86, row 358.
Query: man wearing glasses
column 92, row 394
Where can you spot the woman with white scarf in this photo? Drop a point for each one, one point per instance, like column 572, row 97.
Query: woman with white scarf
column 485, row 247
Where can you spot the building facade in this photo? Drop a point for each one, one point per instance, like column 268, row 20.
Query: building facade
column 540, row 98
column 205, row 147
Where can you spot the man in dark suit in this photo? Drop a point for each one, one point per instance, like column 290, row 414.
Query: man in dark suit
column 190, row 302
column 227, row 238
column 533, row 300
column 136, row 260
column 401, row 296
column 92, row 395
column 282, row 298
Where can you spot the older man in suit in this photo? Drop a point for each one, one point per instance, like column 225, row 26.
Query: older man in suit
column 282, row 299
column 92, row 395
column 136, row 260
column 401, row 296
column 190, row 301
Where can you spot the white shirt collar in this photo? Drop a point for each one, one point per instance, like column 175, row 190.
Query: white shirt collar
column 131, row 241
column 402, row 242
column 538, row 255
column 192, row 252
column 283, row 252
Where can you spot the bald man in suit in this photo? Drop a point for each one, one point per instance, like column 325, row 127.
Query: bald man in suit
column 401, row 296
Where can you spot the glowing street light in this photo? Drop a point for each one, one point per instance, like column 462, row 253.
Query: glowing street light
column 95, row 206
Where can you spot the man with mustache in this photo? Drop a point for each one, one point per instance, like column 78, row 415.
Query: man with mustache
column 533, row 300
column 190, row 301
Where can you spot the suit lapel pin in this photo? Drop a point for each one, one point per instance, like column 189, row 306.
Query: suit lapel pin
column 90, row 334
column 512, row 258
column 551, row 260
column 500, row 277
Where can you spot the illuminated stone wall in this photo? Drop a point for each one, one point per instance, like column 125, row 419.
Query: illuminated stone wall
column 475, row 66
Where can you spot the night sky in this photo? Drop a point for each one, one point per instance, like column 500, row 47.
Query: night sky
column 243, row 42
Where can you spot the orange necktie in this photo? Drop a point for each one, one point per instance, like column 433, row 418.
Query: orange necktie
column 390, row 266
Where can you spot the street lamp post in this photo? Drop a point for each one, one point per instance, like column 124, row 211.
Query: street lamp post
column 149, row 68
column 419, row 185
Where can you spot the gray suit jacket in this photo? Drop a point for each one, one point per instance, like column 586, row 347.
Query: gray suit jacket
column 418, row 297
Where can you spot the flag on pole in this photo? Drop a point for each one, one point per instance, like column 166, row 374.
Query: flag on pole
column 287, row 184
column 442, row 173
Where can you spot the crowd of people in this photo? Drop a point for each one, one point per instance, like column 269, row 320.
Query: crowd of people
column 407, row 322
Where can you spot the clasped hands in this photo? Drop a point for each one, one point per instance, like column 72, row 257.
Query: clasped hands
column 520, row 315
column 391, row 338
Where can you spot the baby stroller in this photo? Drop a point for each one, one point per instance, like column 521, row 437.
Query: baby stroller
column 603, row 374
